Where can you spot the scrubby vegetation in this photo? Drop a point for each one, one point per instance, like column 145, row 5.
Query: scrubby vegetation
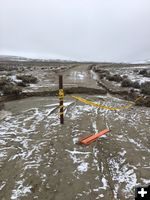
column 129, row 83
column 11, row 89
column 145, row 87
column 101, row 72
column 116, row 78
column 142, row 71
column 145, row 72
column 4, row 67
column 3, row 82
column 21, row 84
column 136, row 85
column 27, row 78
column 126, row 83
column 145, row 101
column 8, row 87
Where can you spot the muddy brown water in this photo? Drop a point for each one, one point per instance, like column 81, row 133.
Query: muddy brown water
column 39, row 158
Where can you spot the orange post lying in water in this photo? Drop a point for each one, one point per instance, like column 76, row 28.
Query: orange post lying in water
column 92, row 138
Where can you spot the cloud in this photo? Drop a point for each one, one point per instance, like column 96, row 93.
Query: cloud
column 100, row 30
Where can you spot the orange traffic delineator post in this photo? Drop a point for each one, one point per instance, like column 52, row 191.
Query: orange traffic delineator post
column 89, row 139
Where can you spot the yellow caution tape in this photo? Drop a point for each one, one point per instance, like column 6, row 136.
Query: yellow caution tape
column 61, row 96
column 104, row 107
column 61, row 106
column 61, row 93
column 61, row 113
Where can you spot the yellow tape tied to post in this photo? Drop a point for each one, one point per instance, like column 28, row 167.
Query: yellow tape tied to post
column 102, row 106
column 61, row 93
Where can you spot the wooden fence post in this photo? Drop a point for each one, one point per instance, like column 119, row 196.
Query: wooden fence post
column 61, row 99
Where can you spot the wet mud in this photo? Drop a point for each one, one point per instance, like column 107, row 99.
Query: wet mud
column 40, row 159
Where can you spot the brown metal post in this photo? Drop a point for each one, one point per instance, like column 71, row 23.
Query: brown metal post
column 61, row 96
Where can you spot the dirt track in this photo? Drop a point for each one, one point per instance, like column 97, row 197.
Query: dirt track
column 39, row 159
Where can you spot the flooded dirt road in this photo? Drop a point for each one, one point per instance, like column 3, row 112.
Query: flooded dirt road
column 39, row 158
column 74, row 77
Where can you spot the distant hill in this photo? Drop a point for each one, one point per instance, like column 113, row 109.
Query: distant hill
column 20, row 58
column 142, row 62
column 148, row 62
column 9, row 58
column 13, row 58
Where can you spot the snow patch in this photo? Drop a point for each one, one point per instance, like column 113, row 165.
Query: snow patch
column 83, row 167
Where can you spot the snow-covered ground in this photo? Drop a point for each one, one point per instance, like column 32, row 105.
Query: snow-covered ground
column 39, row 158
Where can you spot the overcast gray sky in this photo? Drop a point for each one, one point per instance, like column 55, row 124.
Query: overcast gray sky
column 98, row 30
